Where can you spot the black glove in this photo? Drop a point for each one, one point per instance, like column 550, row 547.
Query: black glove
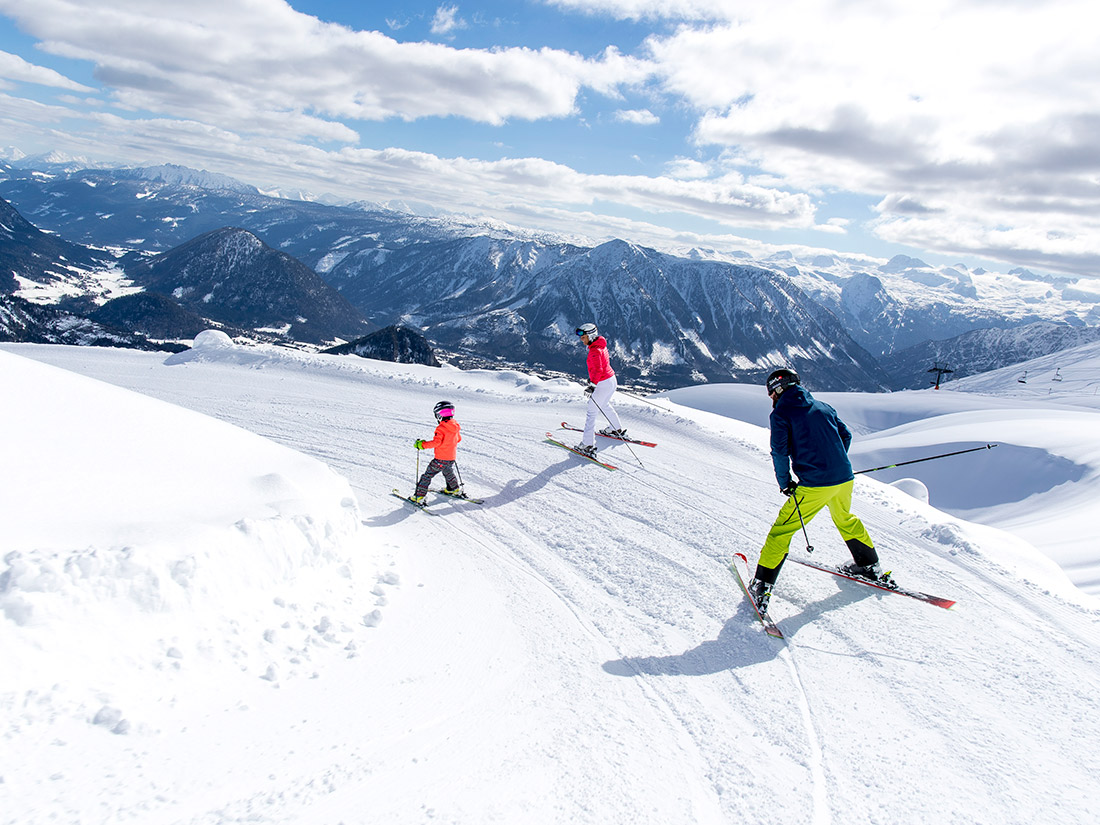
column 588, row 390
column 789, row 489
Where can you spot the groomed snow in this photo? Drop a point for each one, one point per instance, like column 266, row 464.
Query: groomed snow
column 214, row 612
column 1038, row 483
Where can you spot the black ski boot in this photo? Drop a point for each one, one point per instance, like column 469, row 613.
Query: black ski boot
column 871, row 572
column 761, row 593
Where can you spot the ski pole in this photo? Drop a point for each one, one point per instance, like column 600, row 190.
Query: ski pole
column 929, row 458
column 646, row 400
column 612, row 424
column 797, row 509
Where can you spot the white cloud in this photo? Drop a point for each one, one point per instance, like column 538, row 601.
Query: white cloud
column 971, row 124
column 456, row 183
column 639, row 117
column 13, row 67
column 260, row 66
column 687, row 169
column 985, row 114
column 1073, row 250
column 652, row 9
column 446, row 20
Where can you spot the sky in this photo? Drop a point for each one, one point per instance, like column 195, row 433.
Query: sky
column 962, row 131
column 213, row 611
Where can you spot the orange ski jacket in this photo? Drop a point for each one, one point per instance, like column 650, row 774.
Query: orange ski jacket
column 446, row 438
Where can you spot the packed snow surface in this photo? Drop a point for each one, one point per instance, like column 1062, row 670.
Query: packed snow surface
column 1038, row 482
column 213, row 611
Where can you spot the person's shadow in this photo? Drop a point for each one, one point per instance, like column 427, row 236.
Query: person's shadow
column 741, row 642
column 514, row 489
column 511, row 491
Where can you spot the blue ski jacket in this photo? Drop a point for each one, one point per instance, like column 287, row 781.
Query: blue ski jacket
column 809, row 436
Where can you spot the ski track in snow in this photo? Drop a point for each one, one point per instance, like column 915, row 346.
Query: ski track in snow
column 480, row 703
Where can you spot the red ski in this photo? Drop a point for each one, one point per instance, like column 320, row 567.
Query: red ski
column 901, row 591
column 770, row 627
column 565, row 426
column 553, row 440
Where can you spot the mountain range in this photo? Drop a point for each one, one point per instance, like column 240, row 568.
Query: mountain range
column 230, row 276
column 485, row 294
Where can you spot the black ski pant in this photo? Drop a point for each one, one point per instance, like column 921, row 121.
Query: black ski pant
column 437, row 465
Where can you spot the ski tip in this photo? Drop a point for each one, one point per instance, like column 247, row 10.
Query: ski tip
column 741, row 556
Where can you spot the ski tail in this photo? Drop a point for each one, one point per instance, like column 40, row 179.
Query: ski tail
column 770, row 627
column 408, row 500
column 460, row 496
column 564, row 446
column 892, row 587
column 625, row 439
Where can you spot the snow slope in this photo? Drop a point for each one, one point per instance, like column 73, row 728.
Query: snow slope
column 1039, row 481
column 573, row 650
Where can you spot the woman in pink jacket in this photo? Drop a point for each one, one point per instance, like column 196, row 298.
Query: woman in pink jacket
column 601, row 386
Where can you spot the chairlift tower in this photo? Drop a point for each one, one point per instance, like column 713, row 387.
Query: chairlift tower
column 940, row 373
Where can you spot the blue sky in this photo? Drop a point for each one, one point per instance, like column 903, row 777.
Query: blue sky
column 957, row 131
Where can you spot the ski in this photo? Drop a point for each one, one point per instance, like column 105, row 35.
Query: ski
column 409, row 500
column 461, row 496
column 566, row 426
column 770, row 627
column 553, row 440
column 946, row 604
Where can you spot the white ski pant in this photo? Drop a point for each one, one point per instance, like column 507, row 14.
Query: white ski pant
column 599, row 405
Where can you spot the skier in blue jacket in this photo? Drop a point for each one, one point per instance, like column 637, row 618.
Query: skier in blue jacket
column 808, row 436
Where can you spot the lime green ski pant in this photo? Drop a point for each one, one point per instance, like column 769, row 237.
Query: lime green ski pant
column 811, row 500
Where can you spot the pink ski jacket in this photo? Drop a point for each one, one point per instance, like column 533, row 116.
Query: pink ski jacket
column 599, row 364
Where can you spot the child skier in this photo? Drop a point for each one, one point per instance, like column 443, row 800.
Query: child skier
column 445, row 441
column 602, row 384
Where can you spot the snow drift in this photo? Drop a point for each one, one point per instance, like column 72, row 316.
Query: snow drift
column 206, row 629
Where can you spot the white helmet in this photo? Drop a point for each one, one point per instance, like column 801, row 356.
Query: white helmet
column 587, row 329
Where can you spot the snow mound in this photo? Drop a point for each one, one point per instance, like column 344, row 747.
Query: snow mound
column 142, row 539
column 212, row 339
column 912, row 487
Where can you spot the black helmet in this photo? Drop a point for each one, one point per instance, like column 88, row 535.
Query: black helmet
column 779, row 380
column 444, row 409
column 587, row 329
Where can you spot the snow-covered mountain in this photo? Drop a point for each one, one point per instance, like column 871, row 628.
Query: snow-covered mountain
column 668, row 321
column 232, row 277
column 43, row 267
column 153, row 315
column 200, row 625
column 677, row 316
column 984, row 350
column 904, row 302
column 398, row 344
column 23, row 321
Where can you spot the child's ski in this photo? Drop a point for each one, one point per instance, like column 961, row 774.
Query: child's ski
column 553, row 440
column 409, row 500
column 462, row 496
column 565, row 426
column 770, row 627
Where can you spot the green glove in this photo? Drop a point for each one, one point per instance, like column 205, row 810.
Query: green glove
column 420, row 443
